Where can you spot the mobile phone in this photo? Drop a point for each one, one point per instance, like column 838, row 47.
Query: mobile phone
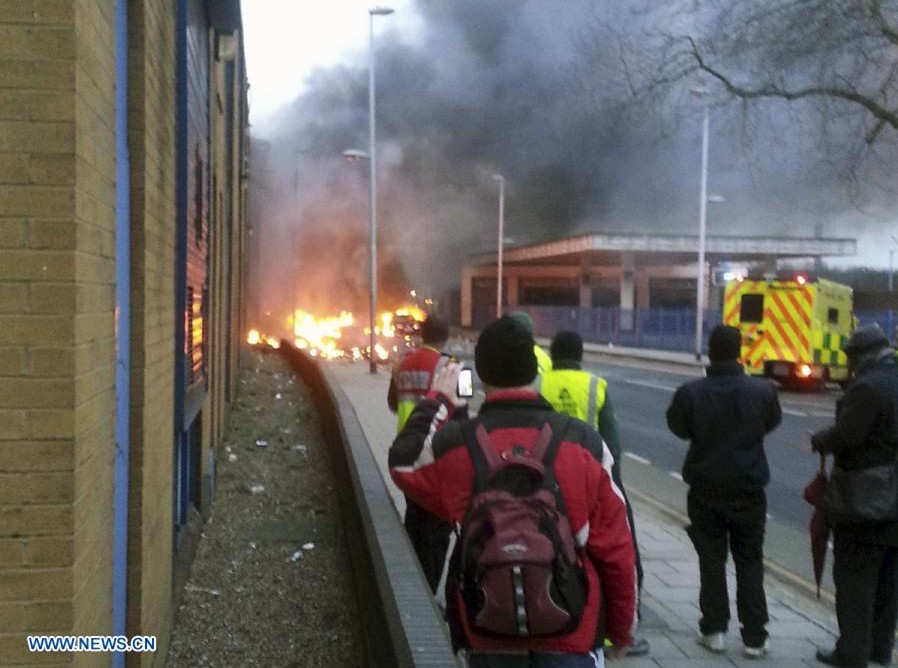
column 465, row 383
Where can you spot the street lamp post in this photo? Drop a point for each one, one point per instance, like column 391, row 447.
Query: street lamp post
column 702, row 221
column 892, row 263
column 891, row 268
column 501, row 244
column 372, row 206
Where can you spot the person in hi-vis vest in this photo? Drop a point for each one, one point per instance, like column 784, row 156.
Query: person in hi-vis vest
column 584, row 395
column 410, row 382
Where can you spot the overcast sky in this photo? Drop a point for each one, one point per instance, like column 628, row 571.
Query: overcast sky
column 286, row 40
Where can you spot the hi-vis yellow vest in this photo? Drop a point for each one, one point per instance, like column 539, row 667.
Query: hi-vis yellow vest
column 543, row 361
column 573, row 392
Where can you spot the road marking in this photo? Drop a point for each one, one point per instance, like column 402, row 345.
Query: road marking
column 641, row 460
column 674, row 474
column 652, row 385
column 792, row 411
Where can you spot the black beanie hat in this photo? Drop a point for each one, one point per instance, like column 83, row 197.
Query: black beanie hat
column 567, row 345
column 866, row 338
column 434, row 330
column 724, row 344
column 504, row 354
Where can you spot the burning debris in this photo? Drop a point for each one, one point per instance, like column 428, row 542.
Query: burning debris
column 342, row 337
column 255, row 338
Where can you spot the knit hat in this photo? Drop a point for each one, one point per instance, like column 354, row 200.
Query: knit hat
column 504, row 355
column 434, row 330
column 724, row 344
column 566, row 345
column 523, row 318
column 866, row 338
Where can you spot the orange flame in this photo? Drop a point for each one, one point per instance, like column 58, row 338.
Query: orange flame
column 336, row 337
column 254, row 338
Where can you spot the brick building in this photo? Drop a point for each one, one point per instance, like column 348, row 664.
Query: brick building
column 122, row 236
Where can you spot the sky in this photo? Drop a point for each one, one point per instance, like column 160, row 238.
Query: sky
column 285, row 40
column 500, row 96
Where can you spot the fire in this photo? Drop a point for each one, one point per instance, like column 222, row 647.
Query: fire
column 321, row 336
column 413, row 311
column 342, row 337
column 254, row 338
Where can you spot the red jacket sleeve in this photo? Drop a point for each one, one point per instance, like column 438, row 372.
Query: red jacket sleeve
column 412, row 464
column 610, row 544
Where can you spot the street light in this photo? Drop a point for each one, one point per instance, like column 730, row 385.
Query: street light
column 372, row 207
column 501, row 180
column 702, row 220
column 892, row 263
column 355, row 155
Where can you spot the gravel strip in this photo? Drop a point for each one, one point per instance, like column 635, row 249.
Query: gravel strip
column 271, row 584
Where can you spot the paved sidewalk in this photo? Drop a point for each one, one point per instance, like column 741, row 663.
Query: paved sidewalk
column 799, row 623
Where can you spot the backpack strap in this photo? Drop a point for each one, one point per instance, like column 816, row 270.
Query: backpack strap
column 485, row 458
column 483, row 454
column 556, row 424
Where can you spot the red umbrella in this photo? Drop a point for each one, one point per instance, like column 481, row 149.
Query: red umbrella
column 818, row 528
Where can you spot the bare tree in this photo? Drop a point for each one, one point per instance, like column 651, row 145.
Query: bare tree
column 823, row 70
column 843, row 53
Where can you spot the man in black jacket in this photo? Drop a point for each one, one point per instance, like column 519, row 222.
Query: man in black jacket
column 865, row 556
column 725, row 417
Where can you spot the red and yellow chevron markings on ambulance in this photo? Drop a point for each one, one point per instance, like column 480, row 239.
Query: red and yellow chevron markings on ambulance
column 785, row 327
column 801, row 322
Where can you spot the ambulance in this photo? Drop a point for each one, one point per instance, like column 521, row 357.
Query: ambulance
column 794, row 329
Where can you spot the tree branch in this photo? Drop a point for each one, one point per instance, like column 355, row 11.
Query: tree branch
column 887, row 31
column 879, row 112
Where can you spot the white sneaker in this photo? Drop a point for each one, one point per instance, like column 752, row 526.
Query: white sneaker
column 756, row 652
column 712, row 641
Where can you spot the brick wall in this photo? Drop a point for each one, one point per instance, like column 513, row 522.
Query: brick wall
column 93, row 318
column 57, row 309
column 57, row 197
column 152, row 135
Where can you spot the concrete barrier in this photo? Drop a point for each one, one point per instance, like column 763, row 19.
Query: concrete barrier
column 403, row 626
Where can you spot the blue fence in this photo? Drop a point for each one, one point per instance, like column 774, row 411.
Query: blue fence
column 658, row 328
column 888, row 320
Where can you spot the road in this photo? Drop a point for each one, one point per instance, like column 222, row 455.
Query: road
column 653, row 459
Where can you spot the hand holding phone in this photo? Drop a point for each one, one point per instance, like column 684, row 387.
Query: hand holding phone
column 465, row 388
column 445, row 381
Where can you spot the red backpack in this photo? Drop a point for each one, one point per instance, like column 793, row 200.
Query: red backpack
column 520, row 573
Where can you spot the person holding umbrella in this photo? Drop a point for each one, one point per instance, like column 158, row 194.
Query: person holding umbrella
column 725, row 416
column 865, row 555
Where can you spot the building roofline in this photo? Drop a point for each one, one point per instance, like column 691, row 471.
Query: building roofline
column 675, row 243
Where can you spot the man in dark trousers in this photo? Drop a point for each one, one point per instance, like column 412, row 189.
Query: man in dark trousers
column 410, row 382
column 725, row 416
column 865, row 556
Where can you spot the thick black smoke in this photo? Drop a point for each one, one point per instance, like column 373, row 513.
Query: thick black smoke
column 536, row 90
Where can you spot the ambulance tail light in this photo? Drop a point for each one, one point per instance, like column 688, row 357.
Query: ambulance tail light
column 804, row 370
column 801, row 279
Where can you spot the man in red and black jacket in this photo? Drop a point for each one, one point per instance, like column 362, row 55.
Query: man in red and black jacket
column 409, row 384
column 430, row 463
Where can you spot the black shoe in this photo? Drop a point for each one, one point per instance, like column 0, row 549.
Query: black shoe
column 639, row 647
column 832, row 659
column 885, row 660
